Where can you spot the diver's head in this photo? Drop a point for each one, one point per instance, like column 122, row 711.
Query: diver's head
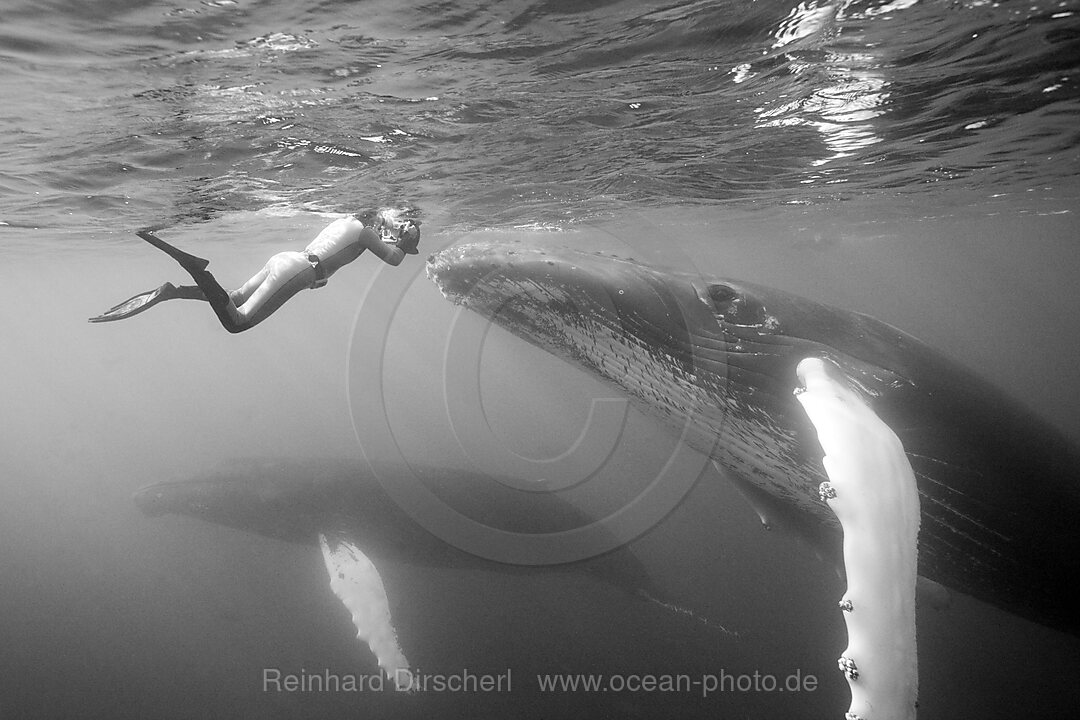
column 370, row 218
column 392, row 226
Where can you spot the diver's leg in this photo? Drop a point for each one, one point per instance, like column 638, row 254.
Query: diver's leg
column 285, row 275
column 189, row 292
column 216, row 295
column 241, row 295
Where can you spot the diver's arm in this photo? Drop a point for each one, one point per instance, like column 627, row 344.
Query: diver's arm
column 387, row 239
column 392, row 240
column 388, row 252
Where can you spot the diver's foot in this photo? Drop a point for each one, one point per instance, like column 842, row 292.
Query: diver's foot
column 189, row 262
column 136, row 304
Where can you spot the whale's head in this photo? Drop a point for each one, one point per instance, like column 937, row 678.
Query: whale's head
column 297, row 499
column 670, row 338
column 712, row 358
column 681, row 343
column 179, row 498
column 238, row 500
column 611, row 315
column 282, row 499
column 151, row 500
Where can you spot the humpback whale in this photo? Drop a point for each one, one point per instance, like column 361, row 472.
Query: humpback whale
column 341, row 507
column 716, row 358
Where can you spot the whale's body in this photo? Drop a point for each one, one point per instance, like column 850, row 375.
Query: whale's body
column 716, row 358
column 342, row 507
column 296, row 501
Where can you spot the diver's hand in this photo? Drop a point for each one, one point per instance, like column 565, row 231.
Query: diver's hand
column 407, row 236
column 408, row 232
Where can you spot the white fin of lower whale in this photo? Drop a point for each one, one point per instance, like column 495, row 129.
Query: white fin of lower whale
column 872, row 491
column 356, row 582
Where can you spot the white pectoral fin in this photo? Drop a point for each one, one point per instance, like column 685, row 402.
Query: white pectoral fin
column 356, row 582
column 872, row 491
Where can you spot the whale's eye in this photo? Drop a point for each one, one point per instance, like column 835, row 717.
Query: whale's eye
column 736, row 307
column 722, row 294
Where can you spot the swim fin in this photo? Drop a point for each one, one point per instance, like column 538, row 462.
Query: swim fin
column 137, row 304
column 217, row 296
column 187, row 261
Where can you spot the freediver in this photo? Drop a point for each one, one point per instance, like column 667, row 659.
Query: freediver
column 284, row 274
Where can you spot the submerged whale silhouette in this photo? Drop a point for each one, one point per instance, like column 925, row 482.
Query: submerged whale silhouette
column 295, row 500
column 341, row 506
column 999, row 487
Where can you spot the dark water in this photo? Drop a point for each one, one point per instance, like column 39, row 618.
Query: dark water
column 914, row 160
